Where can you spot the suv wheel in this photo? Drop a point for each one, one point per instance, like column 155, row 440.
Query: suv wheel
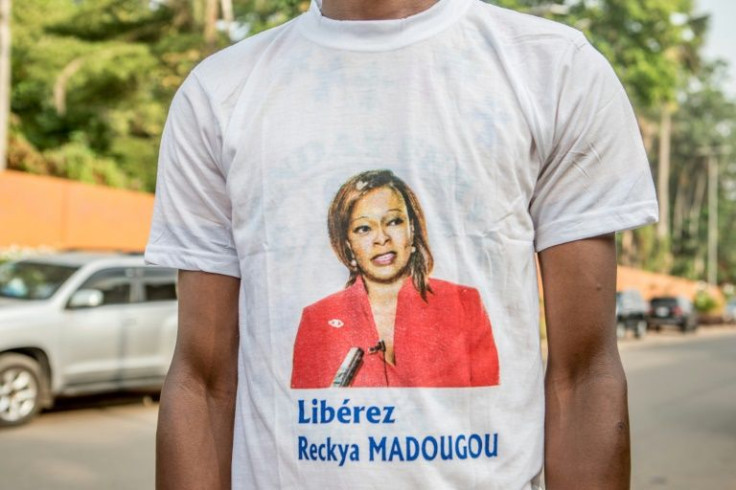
column 641, row 329
column 20, row 389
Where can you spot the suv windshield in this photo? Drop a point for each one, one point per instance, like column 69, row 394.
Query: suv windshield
column 29, row 280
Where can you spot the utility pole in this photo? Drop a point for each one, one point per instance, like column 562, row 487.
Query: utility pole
column 712, row 219
column 227, row 16
column 4, row 80
column 210, row 25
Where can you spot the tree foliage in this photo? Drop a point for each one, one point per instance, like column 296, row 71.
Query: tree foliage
column 648, row 42
column 704, row 128
column 92, row 81
column 654, row 46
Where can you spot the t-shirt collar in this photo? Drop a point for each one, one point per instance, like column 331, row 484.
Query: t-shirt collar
column 379, row 35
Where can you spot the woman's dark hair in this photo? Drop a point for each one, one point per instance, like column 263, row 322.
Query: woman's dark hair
column 338, row 221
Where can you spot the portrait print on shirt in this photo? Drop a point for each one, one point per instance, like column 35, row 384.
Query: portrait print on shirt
column 392, row 325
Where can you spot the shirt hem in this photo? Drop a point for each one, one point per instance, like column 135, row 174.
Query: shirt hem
column 189, row 260
column 592, row 224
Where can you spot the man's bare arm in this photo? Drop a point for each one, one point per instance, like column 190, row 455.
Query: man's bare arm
column 195, row 426
column 586, row 424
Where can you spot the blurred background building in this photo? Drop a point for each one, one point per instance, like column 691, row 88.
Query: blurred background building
column 87, row 85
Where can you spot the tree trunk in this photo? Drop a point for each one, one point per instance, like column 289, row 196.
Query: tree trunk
column 712, row 220
column 227, row 14
column 697, row 205
column 663, row 187
column 210, row 25
column 627, row 247
column 647, row 129
column 4, row 81
column 61, row 83
column 678, row 213
column 663, row 173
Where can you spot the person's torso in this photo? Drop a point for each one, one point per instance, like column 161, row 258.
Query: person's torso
column 445, row 115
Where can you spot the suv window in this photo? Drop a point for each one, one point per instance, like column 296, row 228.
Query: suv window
column 115, row 284
column 159, row 284
column 664, row 302
column 30, row 280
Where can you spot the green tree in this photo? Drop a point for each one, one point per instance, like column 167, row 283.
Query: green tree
column 704, row 127
column 92, row 82
column 654, row 47
column 264, row 14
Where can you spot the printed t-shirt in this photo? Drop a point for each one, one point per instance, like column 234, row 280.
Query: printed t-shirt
column 514, row 135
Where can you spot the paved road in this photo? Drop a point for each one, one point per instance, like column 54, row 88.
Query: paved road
column 682, row 392
column 91, row 444
column 682, row 397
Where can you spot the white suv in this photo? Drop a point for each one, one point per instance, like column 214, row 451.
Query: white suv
column 79, row 323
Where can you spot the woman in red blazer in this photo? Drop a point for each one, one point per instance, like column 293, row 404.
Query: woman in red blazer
column 400, row 327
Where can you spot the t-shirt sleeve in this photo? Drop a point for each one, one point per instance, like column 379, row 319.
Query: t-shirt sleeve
column 191, row 227
column 596, row 178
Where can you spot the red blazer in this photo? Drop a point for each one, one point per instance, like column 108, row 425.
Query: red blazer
column 444, row 342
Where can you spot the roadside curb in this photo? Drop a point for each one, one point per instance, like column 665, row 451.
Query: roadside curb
column 666, row 336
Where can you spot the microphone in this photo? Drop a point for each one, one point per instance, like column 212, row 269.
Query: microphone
column 379, row 347
column 349, row 368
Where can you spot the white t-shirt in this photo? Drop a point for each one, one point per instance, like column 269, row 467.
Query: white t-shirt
column 513, row 134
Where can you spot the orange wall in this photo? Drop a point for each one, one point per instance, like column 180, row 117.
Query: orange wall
column 37, row 211
column 651, row 284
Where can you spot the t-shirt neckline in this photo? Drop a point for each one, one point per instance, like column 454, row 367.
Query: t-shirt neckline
column 379, row 35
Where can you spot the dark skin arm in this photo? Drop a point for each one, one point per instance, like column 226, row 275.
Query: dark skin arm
column 586, row 425
column 196, row 415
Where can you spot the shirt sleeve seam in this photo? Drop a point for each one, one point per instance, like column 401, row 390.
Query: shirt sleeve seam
column 599, row 222
column 187, row 259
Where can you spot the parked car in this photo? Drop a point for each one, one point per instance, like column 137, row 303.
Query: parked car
column 672, row 310
column 729, row 311
column 631, row 313
column 81, row 323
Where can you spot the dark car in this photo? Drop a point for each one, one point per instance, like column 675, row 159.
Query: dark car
column 631, row 313
column 677, row 311
column 729, row 312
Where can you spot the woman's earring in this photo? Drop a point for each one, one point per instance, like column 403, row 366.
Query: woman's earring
column 353, row 263
column 413, row 249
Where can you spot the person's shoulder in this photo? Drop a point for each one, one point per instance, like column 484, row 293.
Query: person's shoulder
column 518, row 28
column 233, row 65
